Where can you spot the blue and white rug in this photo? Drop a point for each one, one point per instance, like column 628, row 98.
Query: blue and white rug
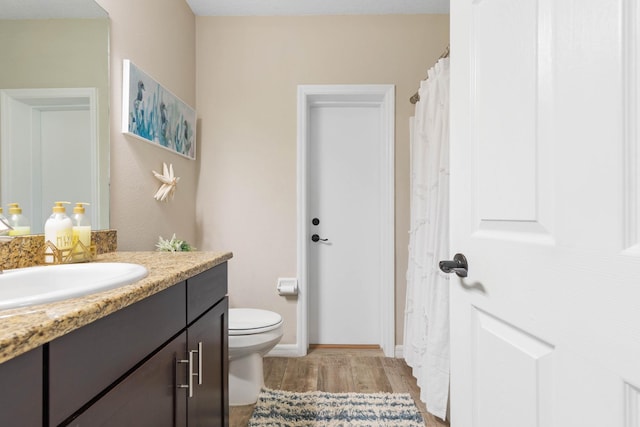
column 289, row 409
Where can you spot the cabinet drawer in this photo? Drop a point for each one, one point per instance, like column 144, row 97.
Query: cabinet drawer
column 205, row 290
column 86, row 361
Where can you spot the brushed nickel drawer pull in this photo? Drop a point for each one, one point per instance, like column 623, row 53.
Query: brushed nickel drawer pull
column 188, row 386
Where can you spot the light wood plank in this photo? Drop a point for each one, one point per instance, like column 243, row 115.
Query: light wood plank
column 369, row 376
column 273, row 369
column 301, row 375
column 334, row 375
column 397, row 376
column 239, row 416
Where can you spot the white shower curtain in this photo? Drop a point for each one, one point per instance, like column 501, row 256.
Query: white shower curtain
column 426, row 326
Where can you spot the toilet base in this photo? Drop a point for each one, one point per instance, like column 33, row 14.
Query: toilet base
column 246, row 378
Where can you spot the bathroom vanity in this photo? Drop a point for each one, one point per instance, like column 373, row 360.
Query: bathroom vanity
column 157, row 358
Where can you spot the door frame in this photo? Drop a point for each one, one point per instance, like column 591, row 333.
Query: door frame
column 383, row 98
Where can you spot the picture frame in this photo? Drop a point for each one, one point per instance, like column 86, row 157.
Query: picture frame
column 153, row 114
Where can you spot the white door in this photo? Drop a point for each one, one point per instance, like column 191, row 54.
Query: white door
column 346, row 223
column 58, row 181
column 344, row 182
column 545, row 329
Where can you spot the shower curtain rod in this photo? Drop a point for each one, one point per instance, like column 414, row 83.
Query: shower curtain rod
column 416, row 97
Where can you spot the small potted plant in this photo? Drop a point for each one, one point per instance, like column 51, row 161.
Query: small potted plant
column 173, row 245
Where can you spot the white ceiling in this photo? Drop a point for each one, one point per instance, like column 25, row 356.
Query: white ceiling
column 39, row 9
column 43, row 9
column 316, row 7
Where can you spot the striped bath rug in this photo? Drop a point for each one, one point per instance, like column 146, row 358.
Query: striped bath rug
column 289, row 409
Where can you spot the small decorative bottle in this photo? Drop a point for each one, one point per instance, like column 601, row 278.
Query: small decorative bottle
column 19, row 222
column 81, row 230
column 3, row 232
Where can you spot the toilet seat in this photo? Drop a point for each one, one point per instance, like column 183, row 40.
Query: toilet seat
column 250, row 321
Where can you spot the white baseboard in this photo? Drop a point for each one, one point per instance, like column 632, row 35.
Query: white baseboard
column 399, row 352
column 292, row 350
column 286, row 350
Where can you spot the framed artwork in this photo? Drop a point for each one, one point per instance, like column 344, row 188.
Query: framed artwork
column 155, row 115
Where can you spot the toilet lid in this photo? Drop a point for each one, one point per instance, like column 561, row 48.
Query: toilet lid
column 246, row 321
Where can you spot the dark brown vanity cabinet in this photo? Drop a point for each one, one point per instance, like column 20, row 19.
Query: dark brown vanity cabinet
column 160, row 362
column 21, row 392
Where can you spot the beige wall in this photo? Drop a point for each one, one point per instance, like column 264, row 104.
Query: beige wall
column 159, row 37
column 45, row 53
column 247, row 72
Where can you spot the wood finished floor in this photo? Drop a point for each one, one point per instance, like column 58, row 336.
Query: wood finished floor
column 338, row 371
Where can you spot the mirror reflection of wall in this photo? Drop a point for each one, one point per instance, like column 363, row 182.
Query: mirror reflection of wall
column 54, row 147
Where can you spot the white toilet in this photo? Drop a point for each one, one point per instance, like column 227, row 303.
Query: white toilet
column 252, row 334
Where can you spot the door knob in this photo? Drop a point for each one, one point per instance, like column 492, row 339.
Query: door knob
column 458, row 265
column 317, row 238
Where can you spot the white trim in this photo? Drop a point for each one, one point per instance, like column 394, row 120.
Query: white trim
column 382, row 96
column 291, row 350
column 631, row 81
column 285, row 350
column 399, row 353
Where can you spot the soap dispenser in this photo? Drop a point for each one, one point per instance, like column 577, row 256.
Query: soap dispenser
column 81, row 225
column 58, row 230
column 19, row 222
column 3, row 231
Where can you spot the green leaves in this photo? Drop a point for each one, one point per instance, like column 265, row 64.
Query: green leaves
column 173, row 245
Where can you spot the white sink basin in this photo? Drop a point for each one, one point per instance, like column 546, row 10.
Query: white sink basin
column 36, row 285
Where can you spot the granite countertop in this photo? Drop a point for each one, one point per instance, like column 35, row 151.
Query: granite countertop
column 25, row 328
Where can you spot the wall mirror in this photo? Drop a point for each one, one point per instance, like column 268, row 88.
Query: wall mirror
column 54, row 107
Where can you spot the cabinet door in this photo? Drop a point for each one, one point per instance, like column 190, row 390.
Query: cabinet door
column 21, row 394
column 147, row 397
column 209, row 405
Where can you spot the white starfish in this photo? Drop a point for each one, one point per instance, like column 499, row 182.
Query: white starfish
column 169, row 182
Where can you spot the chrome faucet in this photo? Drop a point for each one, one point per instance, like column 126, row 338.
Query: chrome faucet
column 3, row 227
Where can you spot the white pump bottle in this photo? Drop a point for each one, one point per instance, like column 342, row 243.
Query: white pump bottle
column 58, row 230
